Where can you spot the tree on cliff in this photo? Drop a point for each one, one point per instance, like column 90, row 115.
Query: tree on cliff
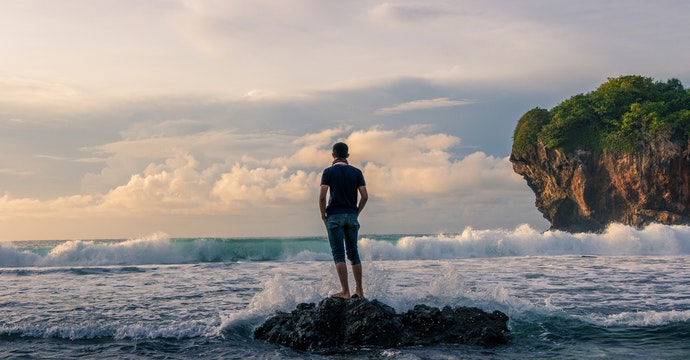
column 620, row 153
column 614, row 117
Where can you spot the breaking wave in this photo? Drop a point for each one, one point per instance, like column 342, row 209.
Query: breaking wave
column 617, row 240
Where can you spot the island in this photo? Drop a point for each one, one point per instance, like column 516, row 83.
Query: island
column 618, row 154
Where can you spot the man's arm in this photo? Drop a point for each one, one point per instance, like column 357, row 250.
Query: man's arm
column 322, row 201
column 363, row 197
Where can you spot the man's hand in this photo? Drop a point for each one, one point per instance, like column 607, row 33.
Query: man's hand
column 322, row 201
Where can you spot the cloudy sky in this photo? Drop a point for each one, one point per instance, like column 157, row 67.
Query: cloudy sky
column 123, row 118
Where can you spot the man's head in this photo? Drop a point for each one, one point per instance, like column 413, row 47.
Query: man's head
column 340, row 150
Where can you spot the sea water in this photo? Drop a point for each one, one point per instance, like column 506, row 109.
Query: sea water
column 621, row 294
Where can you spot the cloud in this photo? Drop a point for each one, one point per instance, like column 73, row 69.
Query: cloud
column 12, row 209
column 312, row 150
column 422, row 105
column 11, row 171
column 230, row 117
column 309, row 41
column 402, row 165
column 406, row 169
column 263, row 49
column 182, row 185
column 77, row 160
column 20, row 93
column 396, row 13
column 244, row 186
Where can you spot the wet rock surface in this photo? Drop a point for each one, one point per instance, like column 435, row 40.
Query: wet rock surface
column 335, row 323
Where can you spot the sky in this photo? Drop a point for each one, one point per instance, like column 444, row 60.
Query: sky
column 215, row 118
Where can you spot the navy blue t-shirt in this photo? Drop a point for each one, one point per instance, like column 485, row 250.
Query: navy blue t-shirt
column 343, row 182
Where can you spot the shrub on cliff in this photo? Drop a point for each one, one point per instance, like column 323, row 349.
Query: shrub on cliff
column 614, row 117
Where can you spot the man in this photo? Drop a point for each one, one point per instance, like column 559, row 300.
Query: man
column 340, row 216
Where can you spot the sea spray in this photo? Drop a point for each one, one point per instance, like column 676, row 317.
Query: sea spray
column 318, row 280
column 13, row 257
column 279, row 293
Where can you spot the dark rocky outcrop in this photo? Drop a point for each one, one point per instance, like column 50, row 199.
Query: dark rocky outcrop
column 336, row 323
column 585, row 190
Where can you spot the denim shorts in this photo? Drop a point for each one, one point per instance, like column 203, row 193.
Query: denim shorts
column 342, row 235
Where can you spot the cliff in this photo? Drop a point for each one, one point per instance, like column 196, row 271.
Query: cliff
column 585, row 190
column 620, row 153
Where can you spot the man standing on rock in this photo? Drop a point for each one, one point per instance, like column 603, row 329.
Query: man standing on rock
column 340, row 216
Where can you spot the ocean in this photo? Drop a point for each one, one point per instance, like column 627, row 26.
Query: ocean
column 623, row 294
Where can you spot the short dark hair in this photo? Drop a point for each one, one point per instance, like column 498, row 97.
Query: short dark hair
column 340, row 150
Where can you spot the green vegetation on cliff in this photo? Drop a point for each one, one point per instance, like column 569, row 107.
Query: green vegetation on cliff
column 614, row 117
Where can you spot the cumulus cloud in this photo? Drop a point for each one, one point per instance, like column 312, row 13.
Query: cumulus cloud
column 264, row 186
column 311, row 150
column 182, row 184
column 404, row 168
column 176, row 186
column 12, row 209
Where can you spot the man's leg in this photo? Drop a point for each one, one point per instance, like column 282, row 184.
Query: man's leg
column 335, row 238
column 341, row 269
column 357, row 272
column 350, row 234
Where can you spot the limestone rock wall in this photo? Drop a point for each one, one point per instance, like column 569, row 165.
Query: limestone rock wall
column 586, row 190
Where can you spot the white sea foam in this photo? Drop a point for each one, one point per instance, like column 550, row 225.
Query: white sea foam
column 617, row 240
column 95, row 330
column 154, row 249
column 11, row 257
column 526, row 241
column 279, row 293
column 643, row 318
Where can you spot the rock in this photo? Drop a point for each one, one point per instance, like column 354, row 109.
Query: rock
column 585, row 190
column 335, row 323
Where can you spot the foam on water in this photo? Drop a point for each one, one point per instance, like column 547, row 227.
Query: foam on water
column 96, row 330
column 11, row 257
column 155, row 249
column 525, row 241
column 642, row 318
column 471, row 243
column 559, row 306
column 282, row 292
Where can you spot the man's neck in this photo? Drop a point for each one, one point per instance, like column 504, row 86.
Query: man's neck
column 340, row 161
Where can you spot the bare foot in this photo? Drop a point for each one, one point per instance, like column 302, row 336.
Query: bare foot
column 341, row 295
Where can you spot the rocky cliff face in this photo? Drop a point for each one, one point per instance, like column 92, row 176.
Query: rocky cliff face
column 586, row 190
